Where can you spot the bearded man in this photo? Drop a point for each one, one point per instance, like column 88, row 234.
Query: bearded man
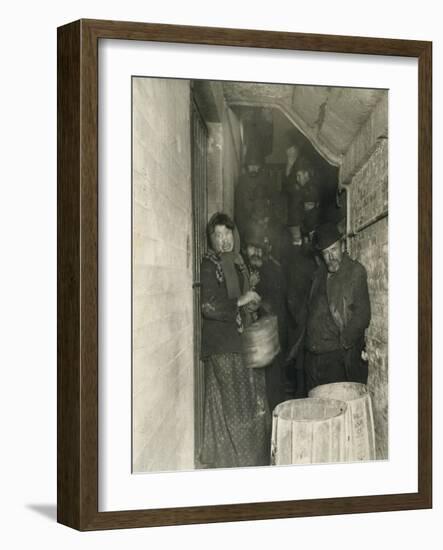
column 267, row 279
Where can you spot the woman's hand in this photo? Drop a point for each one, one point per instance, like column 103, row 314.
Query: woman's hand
column 247, row 297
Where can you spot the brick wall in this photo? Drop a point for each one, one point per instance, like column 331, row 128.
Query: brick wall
column 163, row 398
column 368, row 205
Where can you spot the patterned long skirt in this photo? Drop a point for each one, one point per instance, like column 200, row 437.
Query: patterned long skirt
column 237, row 423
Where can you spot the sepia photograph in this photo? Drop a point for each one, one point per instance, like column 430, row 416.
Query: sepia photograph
column 259, row 274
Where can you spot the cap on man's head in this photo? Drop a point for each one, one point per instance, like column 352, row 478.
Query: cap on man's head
column 255, row 235
column 326, row 235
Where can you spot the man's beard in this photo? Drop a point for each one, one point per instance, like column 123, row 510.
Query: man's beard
column 256, row 261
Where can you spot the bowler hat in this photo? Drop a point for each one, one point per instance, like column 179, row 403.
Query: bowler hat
column 326, row 235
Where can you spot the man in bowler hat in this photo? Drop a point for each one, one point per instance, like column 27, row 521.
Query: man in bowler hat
column 338, row 314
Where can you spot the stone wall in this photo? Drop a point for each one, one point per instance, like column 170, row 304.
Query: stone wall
column 368, row 224
column 163, row 370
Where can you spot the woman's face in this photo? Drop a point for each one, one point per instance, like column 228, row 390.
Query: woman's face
column 222, row 239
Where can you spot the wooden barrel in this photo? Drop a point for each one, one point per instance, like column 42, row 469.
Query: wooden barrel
column 308, row 431
column 361, row 436
column 260, row 343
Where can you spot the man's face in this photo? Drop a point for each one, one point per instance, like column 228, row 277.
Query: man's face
column 309, row 205
column 262, row 221
column 303, row 176
column 254, row 255
column 222, row 239
column 333, row 256
column 253, row 169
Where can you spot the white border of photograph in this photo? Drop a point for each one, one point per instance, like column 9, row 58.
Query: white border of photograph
column 119, row 489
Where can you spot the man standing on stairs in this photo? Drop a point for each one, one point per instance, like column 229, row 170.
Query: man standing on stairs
column 252, row 186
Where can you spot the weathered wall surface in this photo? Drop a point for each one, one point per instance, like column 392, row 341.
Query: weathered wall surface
column 215, row 168
column 163, row 379
column 224, row 145
column 231, row 158
column 368, row 209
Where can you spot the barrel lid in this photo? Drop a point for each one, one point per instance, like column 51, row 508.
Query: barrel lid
column 310, row 409
column 346, row 391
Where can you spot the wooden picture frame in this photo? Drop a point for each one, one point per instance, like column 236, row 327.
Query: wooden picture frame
column 77, row 457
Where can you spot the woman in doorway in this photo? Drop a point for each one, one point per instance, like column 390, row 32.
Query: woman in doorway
column 237, row 421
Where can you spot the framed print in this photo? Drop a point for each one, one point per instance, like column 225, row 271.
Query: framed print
column 244, row 275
